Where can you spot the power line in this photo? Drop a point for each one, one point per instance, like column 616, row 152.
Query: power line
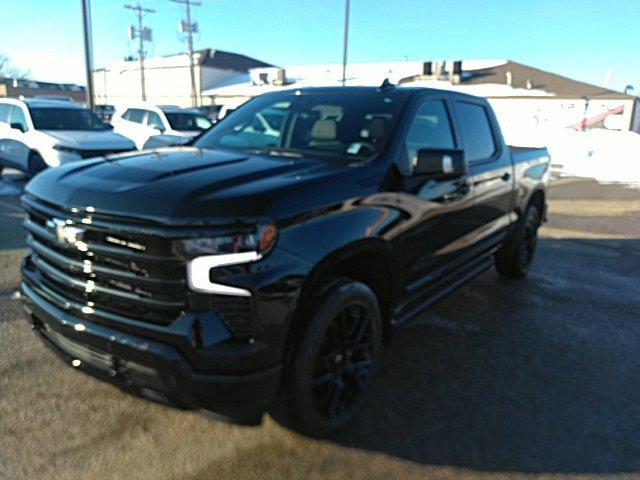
column 188, row 26
column 143, row 33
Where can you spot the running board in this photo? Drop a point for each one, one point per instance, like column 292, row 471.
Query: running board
column 485, row 264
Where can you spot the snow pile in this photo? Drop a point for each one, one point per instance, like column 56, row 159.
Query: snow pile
column 609, row 156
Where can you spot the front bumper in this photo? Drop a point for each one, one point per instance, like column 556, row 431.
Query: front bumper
column 150, row 369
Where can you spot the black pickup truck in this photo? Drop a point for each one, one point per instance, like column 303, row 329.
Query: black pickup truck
column 262, row 268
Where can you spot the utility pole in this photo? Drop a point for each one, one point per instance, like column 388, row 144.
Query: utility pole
column 143, row 34
column 345, row 47
column 189, row 27
column 88, row 51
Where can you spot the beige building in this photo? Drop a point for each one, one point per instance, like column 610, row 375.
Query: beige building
column 167, row 79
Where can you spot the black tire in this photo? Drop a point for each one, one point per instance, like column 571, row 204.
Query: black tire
column 334, row 362
column 515, row 257
column 36, row 164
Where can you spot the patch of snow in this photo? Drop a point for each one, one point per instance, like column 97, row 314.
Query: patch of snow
column 489, row 90
column 482, row 63
column 608, row 156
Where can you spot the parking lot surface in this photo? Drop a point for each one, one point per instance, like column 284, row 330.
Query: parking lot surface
column 503, row 379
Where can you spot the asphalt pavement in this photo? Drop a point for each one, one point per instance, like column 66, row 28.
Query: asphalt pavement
column 502, row 379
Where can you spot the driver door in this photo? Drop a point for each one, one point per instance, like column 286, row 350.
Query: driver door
column 439, row 212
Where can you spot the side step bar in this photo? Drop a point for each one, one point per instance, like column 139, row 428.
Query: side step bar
column 452, row 283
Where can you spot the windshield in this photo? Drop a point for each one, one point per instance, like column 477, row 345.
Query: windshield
column 189, row 122
column 66, row 119
column 351, row 126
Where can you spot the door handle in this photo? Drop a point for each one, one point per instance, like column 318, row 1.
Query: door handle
column 506, row 177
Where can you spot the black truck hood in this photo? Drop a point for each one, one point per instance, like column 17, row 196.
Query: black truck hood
column 187, row 185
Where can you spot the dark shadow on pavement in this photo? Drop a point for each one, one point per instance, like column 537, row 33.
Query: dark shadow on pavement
column 540, row 375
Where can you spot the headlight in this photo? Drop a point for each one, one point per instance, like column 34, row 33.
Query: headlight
column 204, row 254
column 62, row 148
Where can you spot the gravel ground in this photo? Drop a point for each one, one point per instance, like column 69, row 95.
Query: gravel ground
column 539, row 377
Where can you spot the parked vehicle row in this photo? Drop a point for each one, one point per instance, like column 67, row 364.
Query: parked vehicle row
column 45, row 132
column 261, row 268
column 40, row 133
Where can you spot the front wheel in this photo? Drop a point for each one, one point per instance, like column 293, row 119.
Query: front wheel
column 515, row 257
column 335, row 361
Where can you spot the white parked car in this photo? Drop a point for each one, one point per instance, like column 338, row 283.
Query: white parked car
column 152, row 126
column 37, row 133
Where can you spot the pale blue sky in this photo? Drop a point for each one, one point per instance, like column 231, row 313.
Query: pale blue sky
column 577, row 38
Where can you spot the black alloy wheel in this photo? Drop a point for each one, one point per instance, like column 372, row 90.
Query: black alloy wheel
column 334, row 361
column 515, row 257
column 343, row 366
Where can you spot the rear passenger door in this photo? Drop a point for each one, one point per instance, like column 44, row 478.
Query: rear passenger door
column 490, row 168
column 133, row 126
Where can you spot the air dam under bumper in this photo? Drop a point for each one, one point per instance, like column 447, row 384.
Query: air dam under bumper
column 149, row 369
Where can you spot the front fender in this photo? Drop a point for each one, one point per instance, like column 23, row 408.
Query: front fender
column 319, row 237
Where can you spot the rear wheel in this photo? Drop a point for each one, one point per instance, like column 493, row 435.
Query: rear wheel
column 516, row 255
column 335, row 362
column 36, row 163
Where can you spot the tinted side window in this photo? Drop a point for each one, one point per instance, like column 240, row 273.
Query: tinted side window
column 475, row 127
column 430, row 128
column 134, row 115
column 4, row 112
column 153, row 120
column 17, row 116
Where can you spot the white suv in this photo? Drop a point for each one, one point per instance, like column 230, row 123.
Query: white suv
column 36, row 133
column 152, row 126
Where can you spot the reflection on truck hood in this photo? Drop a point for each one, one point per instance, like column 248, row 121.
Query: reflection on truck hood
column 192, row 185
column 91, row 140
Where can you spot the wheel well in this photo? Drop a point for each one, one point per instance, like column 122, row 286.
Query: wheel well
column 538, row 200
column 369, row 265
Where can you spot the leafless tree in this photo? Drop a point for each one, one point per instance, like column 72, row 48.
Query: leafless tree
column 7, row 70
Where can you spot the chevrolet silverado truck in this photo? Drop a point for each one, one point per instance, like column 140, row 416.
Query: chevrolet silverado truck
column 262, row 268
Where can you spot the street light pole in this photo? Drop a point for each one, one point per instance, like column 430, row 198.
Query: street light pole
column 345, row 47
column 88, row 51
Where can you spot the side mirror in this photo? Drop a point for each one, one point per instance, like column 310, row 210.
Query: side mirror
column 19, row 126
column 441, row 164
column 159, row 129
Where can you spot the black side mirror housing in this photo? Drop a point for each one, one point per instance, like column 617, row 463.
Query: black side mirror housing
column 18, row 126
column 440, row 164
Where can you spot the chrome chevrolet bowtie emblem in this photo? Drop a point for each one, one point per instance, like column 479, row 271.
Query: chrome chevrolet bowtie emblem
column 65, row 233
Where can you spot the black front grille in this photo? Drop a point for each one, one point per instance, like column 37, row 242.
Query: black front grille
column 99, row 153
column 133, row 275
